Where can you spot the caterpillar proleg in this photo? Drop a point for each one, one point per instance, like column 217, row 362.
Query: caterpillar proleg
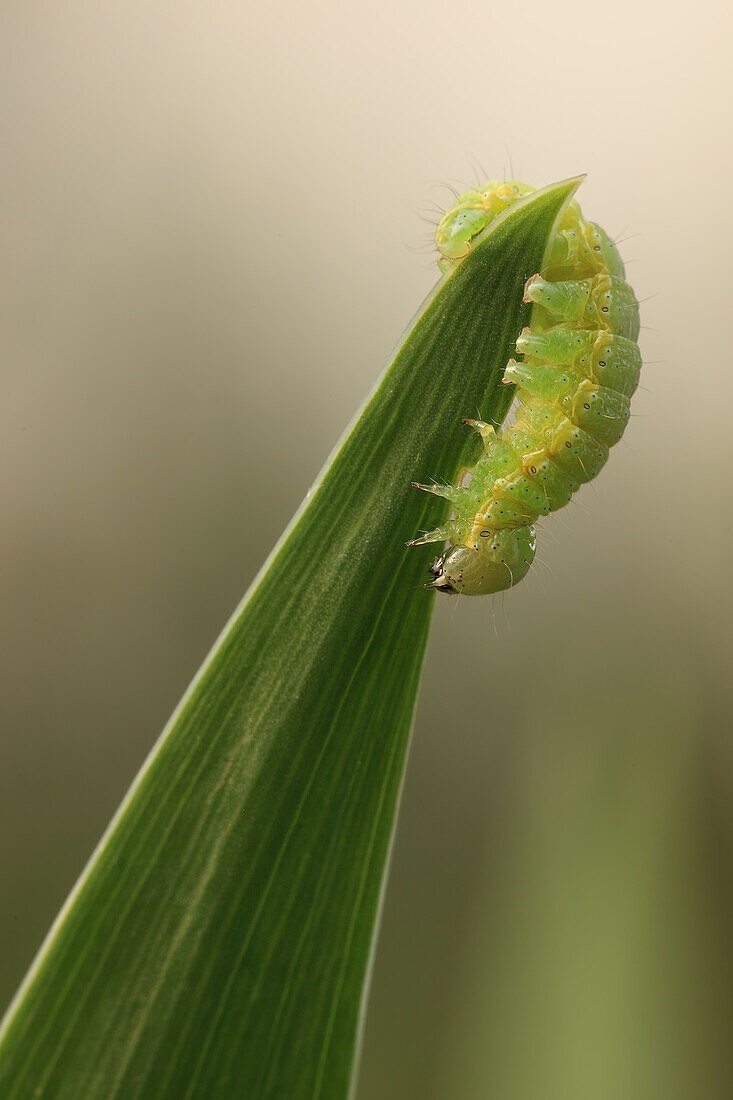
column 580, row 366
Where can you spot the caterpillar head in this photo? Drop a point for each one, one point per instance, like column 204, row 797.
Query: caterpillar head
column 498, row 562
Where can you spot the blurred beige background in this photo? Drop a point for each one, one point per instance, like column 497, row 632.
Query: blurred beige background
column 211, row 241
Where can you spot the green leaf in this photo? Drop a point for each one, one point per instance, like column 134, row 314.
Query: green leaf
column 218, row 943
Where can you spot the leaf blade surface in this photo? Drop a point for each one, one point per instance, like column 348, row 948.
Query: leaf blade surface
column 218, row 943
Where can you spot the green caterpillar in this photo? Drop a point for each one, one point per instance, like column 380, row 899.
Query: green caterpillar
column 579, row 370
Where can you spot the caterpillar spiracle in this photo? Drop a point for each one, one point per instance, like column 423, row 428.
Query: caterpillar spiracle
column 579, row 369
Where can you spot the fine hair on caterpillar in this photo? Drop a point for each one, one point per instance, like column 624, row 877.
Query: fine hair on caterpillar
column 578, row 370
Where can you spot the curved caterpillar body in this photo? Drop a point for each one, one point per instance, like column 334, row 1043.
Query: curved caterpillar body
column 580, row 366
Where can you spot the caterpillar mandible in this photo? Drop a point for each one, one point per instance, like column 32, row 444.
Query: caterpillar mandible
column 580, row 366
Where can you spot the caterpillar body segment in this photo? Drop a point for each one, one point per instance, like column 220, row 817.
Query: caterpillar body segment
column 578, row 370
column 602, row 302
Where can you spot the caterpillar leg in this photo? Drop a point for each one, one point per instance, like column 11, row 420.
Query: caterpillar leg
column 486, row 431
column 604, row 301
column 440, row 534
column 456, row 494
column 605, row 357
column 459, row 494
column 567, row 300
